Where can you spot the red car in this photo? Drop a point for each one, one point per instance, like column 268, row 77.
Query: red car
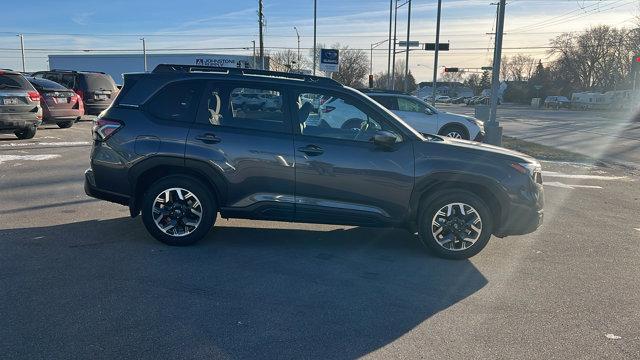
column 60, row 105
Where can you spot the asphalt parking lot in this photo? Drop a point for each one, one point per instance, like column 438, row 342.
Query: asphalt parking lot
column 80, row 279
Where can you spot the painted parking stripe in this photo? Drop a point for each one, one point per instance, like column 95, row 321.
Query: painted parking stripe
column 579, row 176
column 570, row 186
column 57, row 143
column 5, row 158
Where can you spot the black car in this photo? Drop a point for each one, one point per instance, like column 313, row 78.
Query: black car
column 20, row 111
column 96, row 89
column 176, row 147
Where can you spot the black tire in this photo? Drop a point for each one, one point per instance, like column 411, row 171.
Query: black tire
column 437, row 201
column 201, row 192
column 65, row 124
column 455, row 128
column 26, row 133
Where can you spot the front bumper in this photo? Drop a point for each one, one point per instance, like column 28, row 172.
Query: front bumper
column 480, row 137
column 526, row 216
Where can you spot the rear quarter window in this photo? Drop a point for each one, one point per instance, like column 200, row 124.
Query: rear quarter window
column 176, row 101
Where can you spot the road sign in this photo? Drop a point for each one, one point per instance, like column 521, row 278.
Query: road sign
column 329, row 60
column 411, row 43
column 451, row 69
column 487, row 68
column 432, row 47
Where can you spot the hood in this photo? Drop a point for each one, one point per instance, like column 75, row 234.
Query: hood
column 482, row 149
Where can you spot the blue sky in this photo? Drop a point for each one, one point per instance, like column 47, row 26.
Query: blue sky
column 74, row 25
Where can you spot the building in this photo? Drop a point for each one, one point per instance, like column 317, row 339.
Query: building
column 118, row 64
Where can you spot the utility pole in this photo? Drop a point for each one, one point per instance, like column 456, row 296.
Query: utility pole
column 435, row 58
column 315, row 18
column 395, row 39
column 144, row 53
column 494, row 131
column 406, row 63
column 298, row 35
column 255, row 63
column 22, row 51
column 389, row 54
column 261, row 25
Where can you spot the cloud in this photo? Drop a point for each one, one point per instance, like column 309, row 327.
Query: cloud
column 82, row 18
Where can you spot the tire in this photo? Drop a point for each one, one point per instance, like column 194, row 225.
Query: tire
column 65, row 124
column 190, row 234
column 450, row 129
column 26, row 133
column 461, row 249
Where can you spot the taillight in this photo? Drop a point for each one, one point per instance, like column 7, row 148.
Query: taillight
column 104, row 128
column 328, row 109
column 34, row 95
column 80, row 94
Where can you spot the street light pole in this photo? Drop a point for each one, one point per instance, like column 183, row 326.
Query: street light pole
column 254, row 54
column 315, row 18
column 389, row 39
column 406, row 63
column 494, row 131
column 435, row 58
column 261, row 25
column 298, row 35
column 144, row 53
column 395, row 39
column 22, row 51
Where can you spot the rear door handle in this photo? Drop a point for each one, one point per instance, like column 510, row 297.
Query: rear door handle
column 311, row 150
column 208, row 138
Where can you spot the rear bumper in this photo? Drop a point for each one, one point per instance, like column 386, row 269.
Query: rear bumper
column 18, row 121
column 52, row 116
column 92, row 190
column 95, row 108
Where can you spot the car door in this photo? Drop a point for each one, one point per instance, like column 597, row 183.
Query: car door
column 342, row 177
column 417, row 114
column 246, row 151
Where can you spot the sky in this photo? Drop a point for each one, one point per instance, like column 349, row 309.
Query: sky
column 227, row 27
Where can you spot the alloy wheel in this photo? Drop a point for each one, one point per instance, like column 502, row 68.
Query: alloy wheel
column 177, row 212
column 456, row 226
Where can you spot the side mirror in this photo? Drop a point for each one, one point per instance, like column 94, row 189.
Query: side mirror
column 384, row 139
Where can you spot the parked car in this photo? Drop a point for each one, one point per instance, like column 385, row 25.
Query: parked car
column 442, row 99
column 60, row 105
column 96, row 89
column 20, row 111
column 427, row 119
column 158, row 151
column 556, row 102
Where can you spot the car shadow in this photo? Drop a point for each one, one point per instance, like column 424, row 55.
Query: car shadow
column 106, row 289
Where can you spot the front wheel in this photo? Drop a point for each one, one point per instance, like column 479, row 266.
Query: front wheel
column 455, row 224
column 178, row 210
column 455, row 131
column 65, row 124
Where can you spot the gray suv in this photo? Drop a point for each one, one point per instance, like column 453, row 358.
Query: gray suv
column 20, row 111
column 176, row 147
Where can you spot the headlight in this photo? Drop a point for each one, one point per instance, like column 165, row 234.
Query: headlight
column 534, row 170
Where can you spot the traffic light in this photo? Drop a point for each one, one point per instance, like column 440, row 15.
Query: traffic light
column 370, row 81
column 451, row 69
column 635, row 64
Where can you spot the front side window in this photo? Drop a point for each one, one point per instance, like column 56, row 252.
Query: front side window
column 334, row 116
column 177, row 101
column 411, row 105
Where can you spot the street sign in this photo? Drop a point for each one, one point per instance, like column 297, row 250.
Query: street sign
column 329, row 60
column 487, row 68
column 451, row 69
column 432, row 47
column 411, row 43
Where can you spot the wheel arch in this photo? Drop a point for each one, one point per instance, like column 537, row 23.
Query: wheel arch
column 454, row 124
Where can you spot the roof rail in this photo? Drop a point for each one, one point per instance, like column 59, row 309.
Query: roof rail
column 176, row 68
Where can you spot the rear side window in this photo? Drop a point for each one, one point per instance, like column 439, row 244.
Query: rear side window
column 410, row 105
column 177, row 101
column 389, row 102
column 14, row 81
column 99, row 82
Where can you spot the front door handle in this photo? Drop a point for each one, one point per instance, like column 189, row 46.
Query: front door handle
column 311, row 150
column 208, row 138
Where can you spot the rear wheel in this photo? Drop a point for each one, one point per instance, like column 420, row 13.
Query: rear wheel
column 65, row 124
column 455, row 224
column 26, row 133
column 178, row 210
column 455, row 131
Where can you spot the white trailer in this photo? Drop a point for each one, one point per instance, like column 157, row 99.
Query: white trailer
column 118, row 64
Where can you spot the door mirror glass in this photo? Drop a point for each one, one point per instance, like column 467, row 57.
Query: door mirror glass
column 384, row 138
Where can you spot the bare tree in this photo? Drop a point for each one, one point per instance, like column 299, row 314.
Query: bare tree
column 380, row 79
column 285, row 61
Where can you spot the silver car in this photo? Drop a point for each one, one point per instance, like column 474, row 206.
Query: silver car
column 20, row 111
